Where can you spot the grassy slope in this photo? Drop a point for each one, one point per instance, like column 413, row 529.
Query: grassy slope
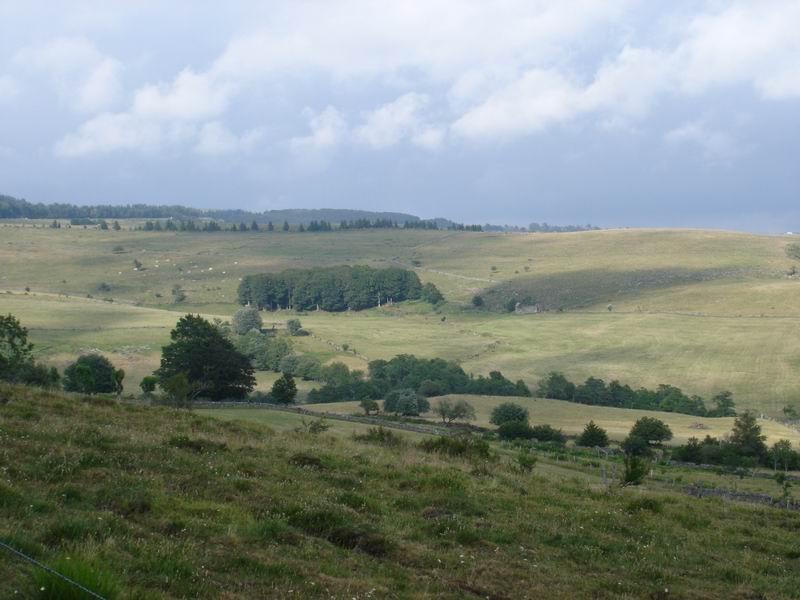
column 107, row 484
column 572, row 418
column 737, row 331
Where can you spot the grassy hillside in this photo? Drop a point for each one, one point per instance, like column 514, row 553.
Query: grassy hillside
column 701, row 310
column 167, row 504
column 572, row 418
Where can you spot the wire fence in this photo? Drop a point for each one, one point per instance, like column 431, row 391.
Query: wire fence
column 51, row 571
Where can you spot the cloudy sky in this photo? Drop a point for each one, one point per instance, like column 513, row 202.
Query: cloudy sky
column 615, row 112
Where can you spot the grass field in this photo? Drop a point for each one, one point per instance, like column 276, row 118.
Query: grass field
column 701, row 310
column 157, row 503
column 572, row 418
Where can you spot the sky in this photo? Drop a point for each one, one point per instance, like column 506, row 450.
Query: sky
column 610, row 112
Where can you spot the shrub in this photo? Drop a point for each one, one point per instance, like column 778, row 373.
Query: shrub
column 515, row 430
column 368, row 405
column 245, row 319
column 477, row 301
column 507, row 412
column 463, row 446
column 294, row 327
column 91, row 374
column 547, row 433
column 405, row 402
column 635, row 470
column 592, row 436
column 380, row 436
column 524, row 461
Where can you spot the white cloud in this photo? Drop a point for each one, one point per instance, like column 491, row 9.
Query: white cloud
column 716, row 146
column 215, row 139
column 537, row 99
column 397, row 120
column 85, row 78
column 191, row 96
column 328, row 130
column 109, row 132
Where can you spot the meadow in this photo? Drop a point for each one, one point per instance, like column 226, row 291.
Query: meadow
column 701, row 310
column 144, row 502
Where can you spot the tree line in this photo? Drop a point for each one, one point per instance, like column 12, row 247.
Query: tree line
column 333, row 289
column 666, row 398
column 408, row 379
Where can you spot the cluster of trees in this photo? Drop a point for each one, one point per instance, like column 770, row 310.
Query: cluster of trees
column 665, row 398
column 332, row 289
column 744, row 447
column 424, row 377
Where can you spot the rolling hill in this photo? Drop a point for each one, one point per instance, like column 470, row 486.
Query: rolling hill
column 701, row 310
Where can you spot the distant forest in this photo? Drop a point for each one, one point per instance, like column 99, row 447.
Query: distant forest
column 14, row 208
column 320, row 219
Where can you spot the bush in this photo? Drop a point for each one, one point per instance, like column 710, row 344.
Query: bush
column 546, row 433
column 524, row 461
column 91, row 374
column 245, row 319
column 515, row 430
column 635, row 470
column 592, row 436
column 380, row 436
column 477, row 301
column 507, row 412
column 294, row 327
column 405, row 402
column 148, row 385
column 462, row 446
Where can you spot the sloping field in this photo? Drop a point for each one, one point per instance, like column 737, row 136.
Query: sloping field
column 158, row 503
column 701, row 310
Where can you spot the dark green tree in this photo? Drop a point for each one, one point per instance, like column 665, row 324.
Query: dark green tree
column 431, row 294
column 746, row 437
column 651, row 430
column 284, row 389
column 477, row 301
column 592, row 436
column 92, row 374
column 507, row 412
column 210, row 362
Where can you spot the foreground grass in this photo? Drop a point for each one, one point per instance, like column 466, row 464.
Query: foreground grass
column 170, row 504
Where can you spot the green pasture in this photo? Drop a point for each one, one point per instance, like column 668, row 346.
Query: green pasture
column 701, row 310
